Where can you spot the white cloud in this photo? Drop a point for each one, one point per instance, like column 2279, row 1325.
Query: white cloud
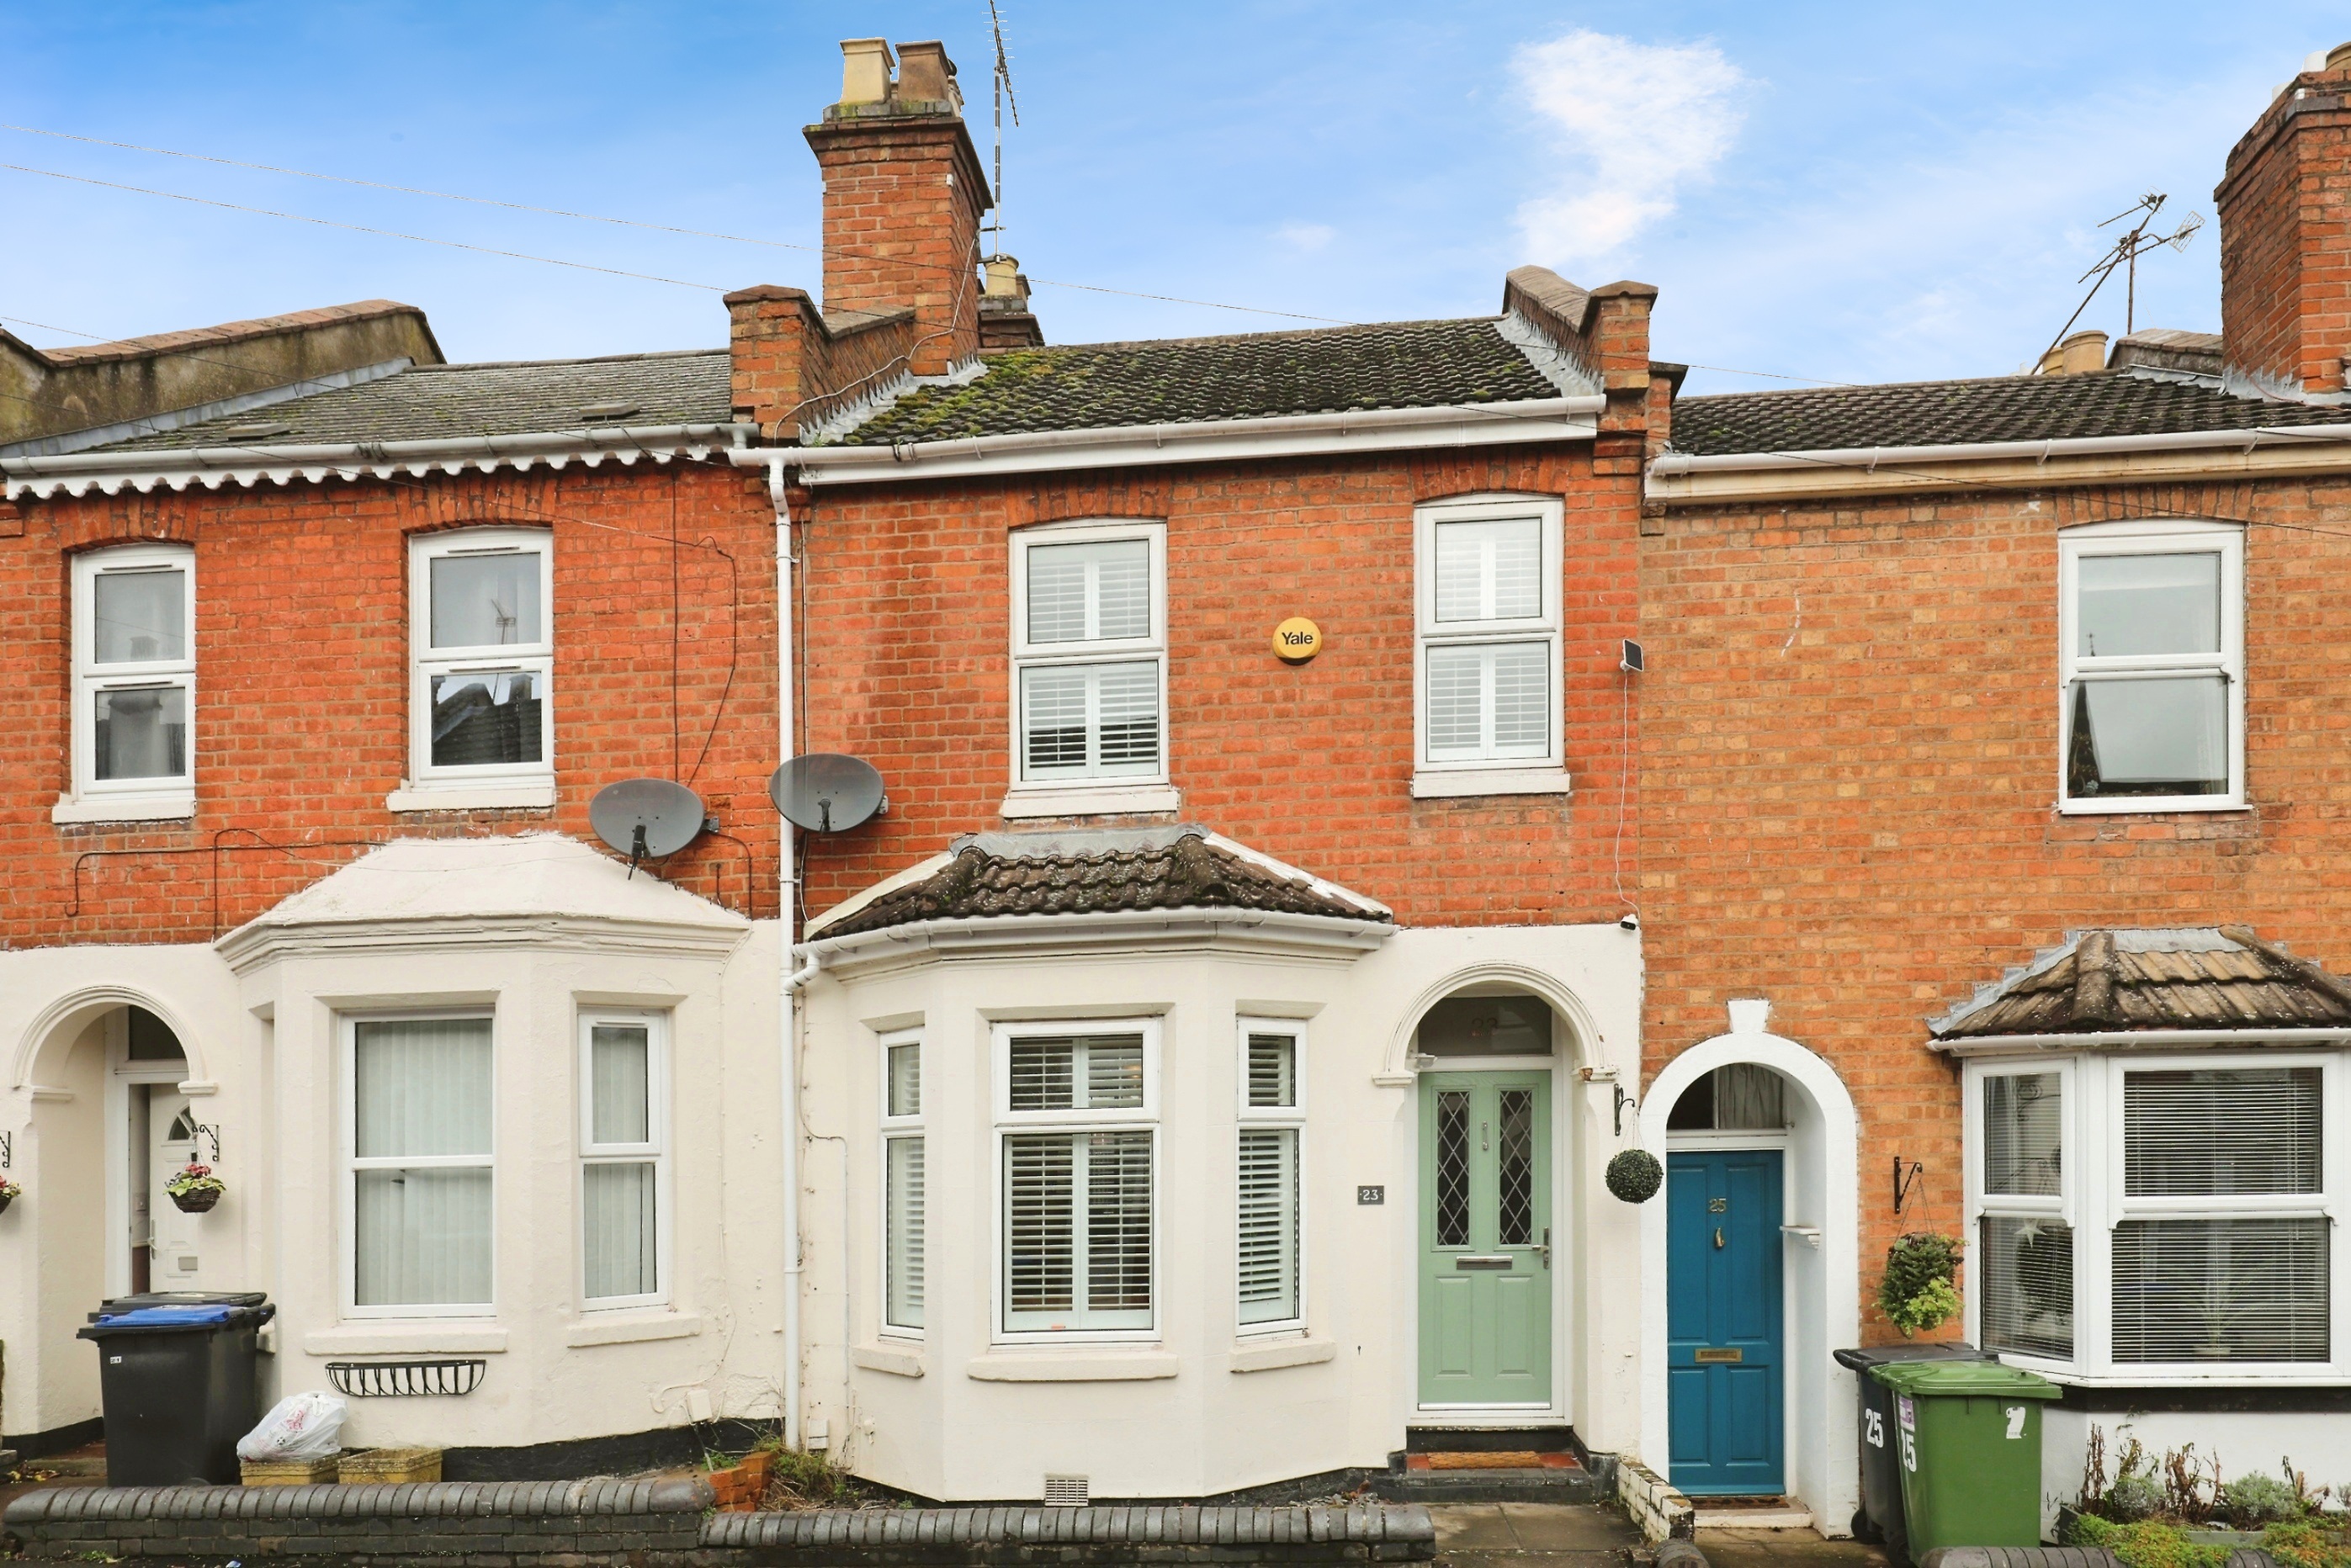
column 1633, row 122
column 1306, row 236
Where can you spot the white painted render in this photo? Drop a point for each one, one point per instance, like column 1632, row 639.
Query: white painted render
column 2244, row 1442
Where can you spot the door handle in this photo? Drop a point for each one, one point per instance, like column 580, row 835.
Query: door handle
column 1494, row 1261
column 1718, row 1235
column 1546, row 1247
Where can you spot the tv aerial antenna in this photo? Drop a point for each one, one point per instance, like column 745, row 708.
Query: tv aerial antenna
column 1003, row 88
column 646, row 819
column 2135, row 243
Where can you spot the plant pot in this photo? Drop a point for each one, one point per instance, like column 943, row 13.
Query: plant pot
column 6, row 1199
column 197, row 1202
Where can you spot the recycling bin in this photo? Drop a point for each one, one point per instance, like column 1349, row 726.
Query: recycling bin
column 1880, row 1516
column 1967, row 1437
column 178, row 1380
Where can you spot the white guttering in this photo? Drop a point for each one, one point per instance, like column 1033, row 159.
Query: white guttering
column 1203, row 440
column 786, row 912
column 1338, row 936
column 2251, row 1037
column 1673, row 464
column 79, row 474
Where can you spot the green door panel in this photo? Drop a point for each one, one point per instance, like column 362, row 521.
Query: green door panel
column 1485, row 1238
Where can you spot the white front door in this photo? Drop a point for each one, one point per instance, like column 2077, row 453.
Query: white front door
column 171, row 1244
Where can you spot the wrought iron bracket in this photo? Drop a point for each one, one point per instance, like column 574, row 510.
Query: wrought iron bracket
column 1905, row 1180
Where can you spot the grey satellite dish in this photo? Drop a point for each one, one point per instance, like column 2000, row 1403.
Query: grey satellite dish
column 645, row 818
column 827, row 792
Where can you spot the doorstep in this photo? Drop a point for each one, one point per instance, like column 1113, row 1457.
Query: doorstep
column 1751, row 1513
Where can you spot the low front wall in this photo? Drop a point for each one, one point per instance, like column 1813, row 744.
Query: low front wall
column 667, row 1524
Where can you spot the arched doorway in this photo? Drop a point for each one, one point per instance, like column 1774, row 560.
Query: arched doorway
column 1749, row 1268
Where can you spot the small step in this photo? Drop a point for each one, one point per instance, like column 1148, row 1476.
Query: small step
column 1751, row 1513
column 1489, row 1459
column 1532, row 1483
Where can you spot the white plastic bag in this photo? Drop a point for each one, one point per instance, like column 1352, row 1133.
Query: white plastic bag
column 298, row 1426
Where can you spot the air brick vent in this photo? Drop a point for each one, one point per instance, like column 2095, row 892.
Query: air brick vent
column 1068, row 1491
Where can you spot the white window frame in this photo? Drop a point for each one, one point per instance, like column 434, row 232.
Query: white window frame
column 347, row 1029
column 1468, row 775
column 655, row 1152
column 2063, row 1208
column 93, row 799
column 1291, row 1117
column 900, row 1129
column 2154, row 538
column 1008, row 1121
column 2095, row 1203
column 492, row 783
column 1063, row 793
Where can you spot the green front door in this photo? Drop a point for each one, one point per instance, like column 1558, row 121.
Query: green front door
column 1485, row 1238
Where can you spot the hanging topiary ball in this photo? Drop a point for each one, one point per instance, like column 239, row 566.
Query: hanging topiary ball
column 1634, row 1176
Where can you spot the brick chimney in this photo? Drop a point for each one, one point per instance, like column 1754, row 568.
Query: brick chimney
column 903, row 192
column 2286, row 239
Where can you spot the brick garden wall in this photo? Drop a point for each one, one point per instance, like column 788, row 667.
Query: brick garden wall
column 1849, row 770
column 908, row 662
column 301, row 720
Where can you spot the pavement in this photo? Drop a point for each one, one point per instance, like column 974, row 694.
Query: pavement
column 1594, row 1535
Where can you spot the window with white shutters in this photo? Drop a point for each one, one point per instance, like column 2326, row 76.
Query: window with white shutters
column 902, row 1256
column 1267, row 1224
column 1090, row 655
column 2152, row 667
column 1077, row 1110
column 2223, row 1250
column 1490, row 634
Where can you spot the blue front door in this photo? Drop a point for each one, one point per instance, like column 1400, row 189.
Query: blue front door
column 1722, row 1320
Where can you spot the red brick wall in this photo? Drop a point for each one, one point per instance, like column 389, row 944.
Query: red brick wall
column 902, row 205
column 1849, row 768
column 909, row 624
column 301, row 723
column 2285, row 238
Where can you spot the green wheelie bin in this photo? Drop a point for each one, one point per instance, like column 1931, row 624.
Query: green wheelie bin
column 1968, row 1434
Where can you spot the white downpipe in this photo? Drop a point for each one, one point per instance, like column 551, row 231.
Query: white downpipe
column 787, row 913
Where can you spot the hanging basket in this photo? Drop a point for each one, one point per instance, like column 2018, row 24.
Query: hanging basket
column 1634, row 1176
column 7, row 1196
column 196, row 1200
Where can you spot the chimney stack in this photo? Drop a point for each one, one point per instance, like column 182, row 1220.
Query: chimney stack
column 2286, row 239
column 903, row 192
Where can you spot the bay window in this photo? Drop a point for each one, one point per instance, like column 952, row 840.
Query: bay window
column 1266, row 1222
column 1489, row 656
column 2151, row 623
column 481, row 707
column 134, row 693
column 1077, row 1112
column 419, row 1177
column 902, row 1250
column 623, row 1117
column 1088, row 656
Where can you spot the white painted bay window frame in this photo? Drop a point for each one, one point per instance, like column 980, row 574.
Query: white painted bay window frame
column 903, row 1286
column 1260, row 1123
column 352, row 1163
column 445, row 788
column 157, row 798
column 652, row 1151
column 1136, row 1327
column 1034, row 793
column 1488, row 767
column 2141, row 538
column 2097, row 1203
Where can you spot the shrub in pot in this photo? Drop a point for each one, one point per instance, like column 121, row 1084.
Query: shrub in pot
column 1917, row 1291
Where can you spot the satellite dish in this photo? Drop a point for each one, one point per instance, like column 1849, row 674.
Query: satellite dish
column 646, row 818
column 827, row 792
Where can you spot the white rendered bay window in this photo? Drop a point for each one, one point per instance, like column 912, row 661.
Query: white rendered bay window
column 2151, row 622
column 418, row 1180
column 1267, row 1188
column 623, row 1168
column 1090, row 665
column 134, row 693
column 903, row 1251
column 1488, row 650
column 1077, row 1112
column 482, row 712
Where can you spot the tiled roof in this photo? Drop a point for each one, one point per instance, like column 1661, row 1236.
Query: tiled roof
column 1099, row 871
column 435, row 401
column 1960, row 413
column 1177, row 380
column 2105, row 981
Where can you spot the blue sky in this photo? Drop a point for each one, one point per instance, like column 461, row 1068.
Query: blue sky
column 1847, row 193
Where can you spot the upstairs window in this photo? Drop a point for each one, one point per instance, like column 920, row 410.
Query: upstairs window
column 135, row 676
column 485, row 652
column 1090, row 655
column 1489, row 634
column 2152, row 623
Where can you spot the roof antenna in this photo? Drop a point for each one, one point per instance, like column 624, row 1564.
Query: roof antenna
column 1003, row 74
column 2135, row 243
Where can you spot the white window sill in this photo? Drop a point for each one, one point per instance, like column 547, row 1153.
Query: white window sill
column 1490, row 781
column 1090, row 800
column 1074, row 1366
column 906, row 1363
column 632, row 1328
column 406, row 1339
column 518, row 793
column 2152, row 805
column 125, row 808
column 1282, row 1352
